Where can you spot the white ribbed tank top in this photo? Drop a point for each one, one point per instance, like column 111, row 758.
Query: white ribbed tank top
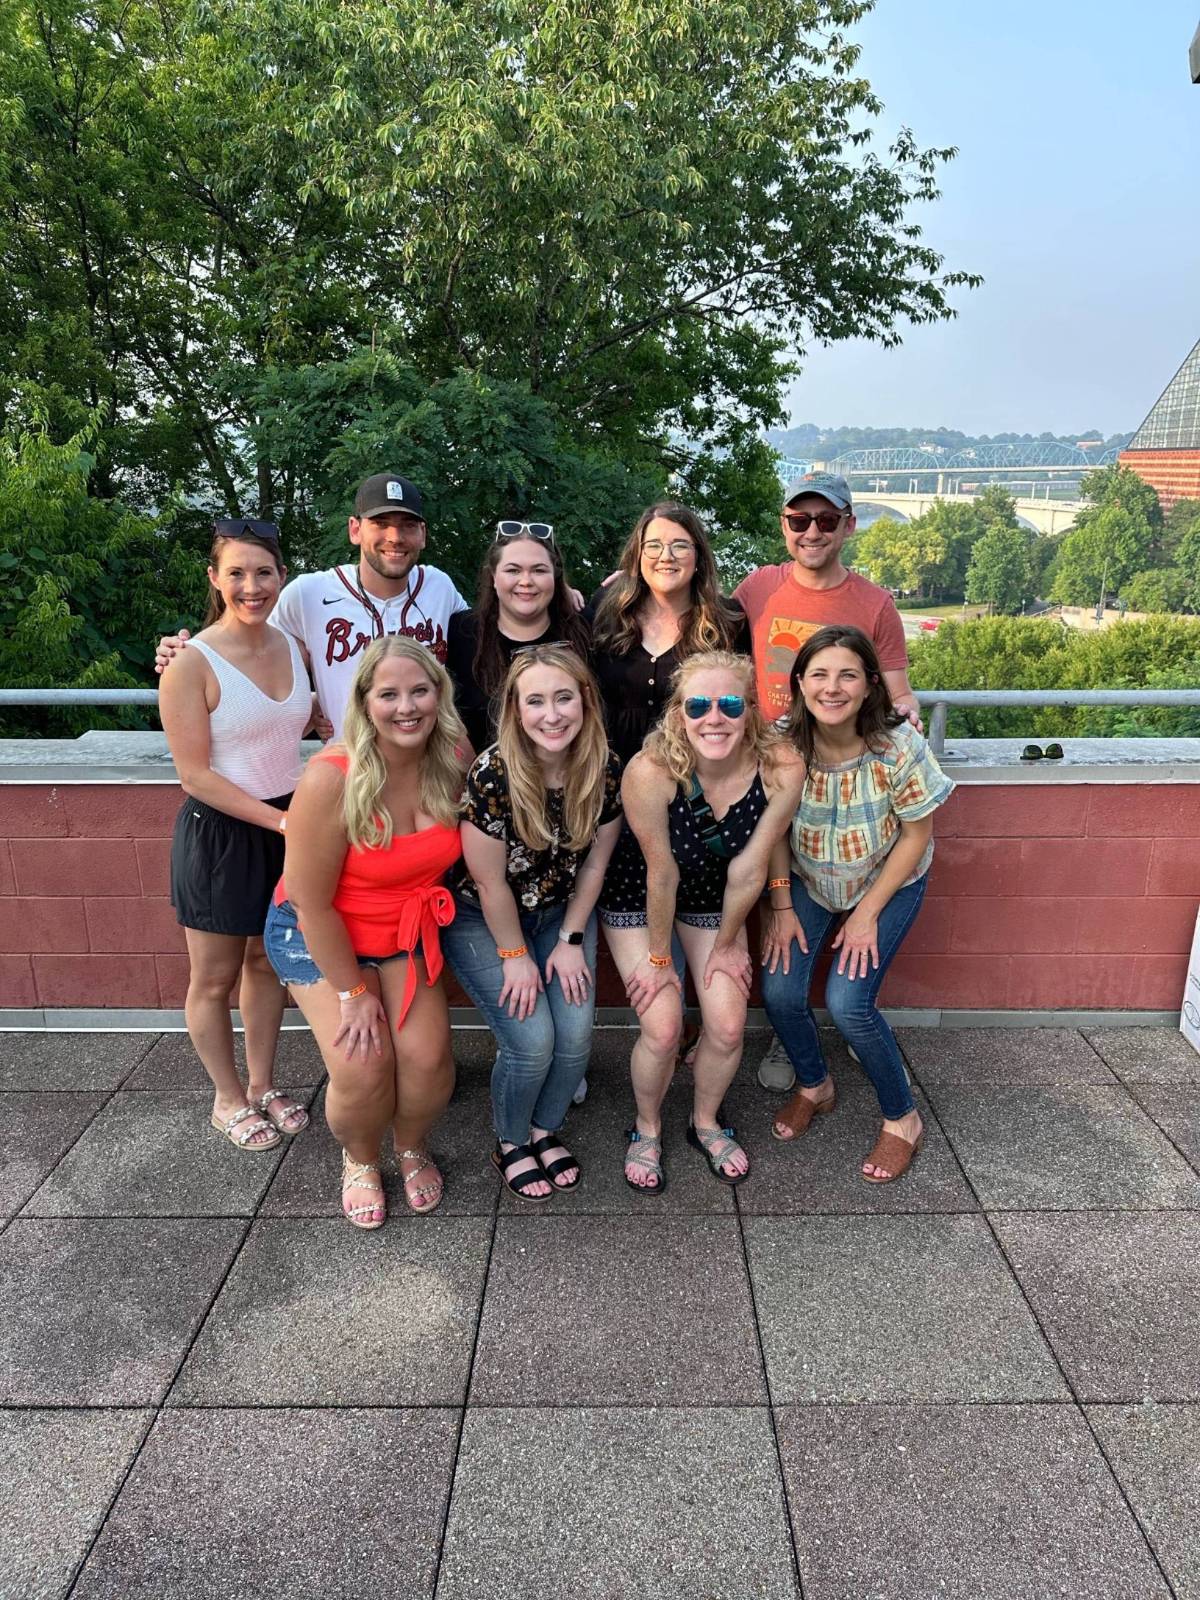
column 254, row 741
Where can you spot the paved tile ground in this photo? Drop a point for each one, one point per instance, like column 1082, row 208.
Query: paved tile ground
column 982, row 1383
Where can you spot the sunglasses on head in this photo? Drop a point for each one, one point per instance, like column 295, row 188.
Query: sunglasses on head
column 235, row 527
column 827, row 521
column 543, row 532
column 729, row 705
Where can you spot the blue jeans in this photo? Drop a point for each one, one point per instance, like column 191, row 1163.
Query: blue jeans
column 851, row 1001
column 539, row 1062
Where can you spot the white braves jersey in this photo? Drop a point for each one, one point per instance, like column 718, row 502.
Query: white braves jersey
column 335, row 620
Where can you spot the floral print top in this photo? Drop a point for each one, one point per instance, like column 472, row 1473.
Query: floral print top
column 537, row 878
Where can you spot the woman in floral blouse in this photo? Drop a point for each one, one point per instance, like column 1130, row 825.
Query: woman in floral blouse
column 541, row 817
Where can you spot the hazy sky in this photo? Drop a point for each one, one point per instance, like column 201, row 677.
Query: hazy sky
column 1076, row 193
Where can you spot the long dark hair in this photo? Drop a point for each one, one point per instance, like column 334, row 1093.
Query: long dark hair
column 491, row 660
column 710, row 623
column 876, row 714
column 216, row 600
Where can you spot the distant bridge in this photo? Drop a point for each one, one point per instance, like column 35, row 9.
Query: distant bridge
column 1047, row 516
column 944, row 472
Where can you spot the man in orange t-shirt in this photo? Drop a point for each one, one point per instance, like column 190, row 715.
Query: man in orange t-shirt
column 788, row 603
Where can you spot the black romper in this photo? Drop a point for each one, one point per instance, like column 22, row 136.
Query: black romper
column 701, row 872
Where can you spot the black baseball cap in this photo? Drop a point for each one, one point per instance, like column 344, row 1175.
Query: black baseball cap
column 387, row 491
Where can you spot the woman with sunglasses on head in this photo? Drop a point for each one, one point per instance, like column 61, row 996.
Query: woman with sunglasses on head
column 541, row 817
column 234, row 709
column 523, row 600
column 708, row 798
column 354, row 930
column 861, row 844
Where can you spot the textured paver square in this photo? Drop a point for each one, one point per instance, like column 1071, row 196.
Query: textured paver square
column 611, row 1310
column 153, row 1155
column 1176, row 1110
column 1063, row 1148
column 595, row 1132
column 309, row 1183
column 273, row 1503
column 320, row 1313
column 58, row 1472
column 1001, row 1056
column 174, row 1064
column 41, row 1060
column 631, row 1503
column 1155, row 1452
column 1118, row 1296
column 961, row 1502
column 35, row 1130
column 891, row 1308
column 820, row 1171
column 1147, row 1055
column 99, row 1312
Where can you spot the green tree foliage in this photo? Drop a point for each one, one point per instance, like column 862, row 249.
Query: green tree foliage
column 1113, row 537
column 631, row 212
column 1002, row 572
column 1029, row 653
column 931, row 555
column 1164, row 589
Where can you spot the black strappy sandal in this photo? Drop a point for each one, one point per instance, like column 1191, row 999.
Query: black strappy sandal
column 520, row 1152
column 551, row 1141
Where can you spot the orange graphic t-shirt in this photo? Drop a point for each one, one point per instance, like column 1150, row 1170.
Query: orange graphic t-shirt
column 784, row 614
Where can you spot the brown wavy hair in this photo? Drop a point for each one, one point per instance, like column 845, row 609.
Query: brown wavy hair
column 491, row 659
column 216, row 600
column 587, row 761
column 876, row 714
column 668, row 745
column 710, row 623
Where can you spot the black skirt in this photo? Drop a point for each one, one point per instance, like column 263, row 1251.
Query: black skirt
column 224, row 870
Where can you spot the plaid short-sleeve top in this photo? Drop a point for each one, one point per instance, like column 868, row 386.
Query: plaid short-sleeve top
column 850, row 815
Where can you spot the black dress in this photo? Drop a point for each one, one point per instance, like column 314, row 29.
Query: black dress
column 473, row 702
column 634, row 688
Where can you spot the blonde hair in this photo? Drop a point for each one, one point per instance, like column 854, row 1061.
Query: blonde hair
column 587, row 759
column 668, row 745
column 368, row 825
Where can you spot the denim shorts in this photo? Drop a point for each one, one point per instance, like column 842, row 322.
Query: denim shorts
column 289, row 955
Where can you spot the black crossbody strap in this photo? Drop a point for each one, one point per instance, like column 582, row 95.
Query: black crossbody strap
column 707, row 825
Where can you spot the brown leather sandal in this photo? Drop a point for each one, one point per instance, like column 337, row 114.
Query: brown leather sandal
column 799, row 1112
column 894, row 1153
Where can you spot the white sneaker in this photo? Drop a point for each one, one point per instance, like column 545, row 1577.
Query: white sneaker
column 580, row 1094
column 775, row 1071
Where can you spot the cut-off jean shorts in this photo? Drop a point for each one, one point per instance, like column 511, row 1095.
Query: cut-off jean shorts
column 289, row 955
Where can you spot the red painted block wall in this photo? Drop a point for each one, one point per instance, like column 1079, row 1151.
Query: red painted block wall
column 1041, row 897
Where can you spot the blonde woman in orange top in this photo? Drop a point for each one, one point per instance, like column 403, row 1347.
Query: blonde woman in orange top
column 355, row 928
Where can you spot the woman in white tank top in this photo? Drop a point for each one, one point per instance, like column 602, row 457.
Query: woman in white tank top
column 234, row 708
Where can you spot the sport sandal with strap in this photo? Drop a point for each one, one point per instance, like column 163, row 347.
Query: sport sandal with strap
column 240, row 1136
column 645, row 1151
column 502, row 1160
column 717, row 1145
column 285, row 1113
column 362, row 1175
column 413, row 1194
column 541, row 1148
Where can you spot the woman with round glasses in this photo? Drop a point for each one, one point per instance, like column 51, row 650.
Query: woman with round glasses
column 861, row 846
column 708, row 798
column 523, row 600
column 234, row 708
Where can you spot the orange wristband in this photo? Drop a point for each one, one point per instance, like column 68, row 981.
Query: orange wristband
column 352, row 994
column 658, row 961
column 779, row 883
column 511, row 955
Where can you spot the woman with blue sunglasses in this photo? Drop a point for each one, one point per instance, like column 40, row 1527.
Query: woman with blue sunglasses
column 708, row 797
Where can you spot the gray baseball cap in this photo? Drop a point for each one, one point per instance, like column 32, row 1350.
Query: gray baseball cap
column 830, row 486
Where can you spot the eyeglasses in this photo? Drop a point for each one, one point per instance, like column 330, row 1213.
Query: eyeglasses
column 1034, row 752
column 235, row 527
column 543, row 532
column 827, row 521
column 678, row 549
column 729, row 705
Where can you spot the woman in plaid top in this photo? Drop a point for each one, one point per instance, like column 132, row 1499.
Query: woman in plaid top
column 860, row 849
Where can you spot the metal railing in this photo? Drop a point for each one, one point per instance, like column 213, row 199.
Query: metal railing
column 938, row 701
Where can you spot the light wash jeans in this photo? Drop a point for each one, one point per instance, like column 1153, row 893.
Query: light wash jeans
column 851, row 1001
column 539, row 1062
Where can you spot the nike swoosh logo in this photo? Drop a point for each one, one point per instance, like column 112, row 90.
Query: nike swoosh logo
column 337, row 600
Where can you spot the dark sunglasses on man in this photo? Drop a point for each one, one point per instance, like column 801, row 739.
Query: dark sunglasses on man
column 826, row 521
column 507, row 530
column 237, row 527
